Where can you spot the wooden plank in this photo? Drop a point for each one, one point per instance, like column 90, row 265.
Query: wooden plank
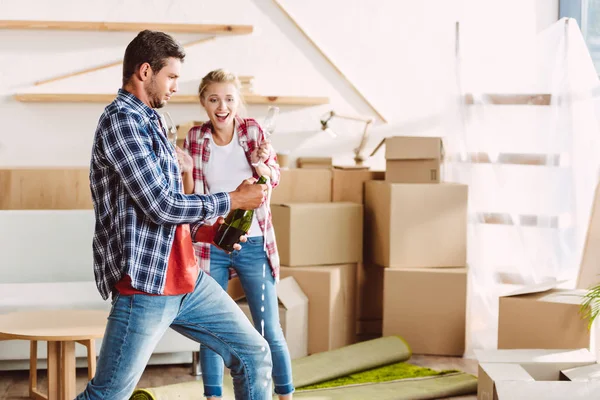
column 540, row 99
column 54, row 370
column 127, row 26
column 90, row 344
column 45, row 188
column 552, row 160
column 108, row 65
column 32, row 367
column 67, row 371
column 519, row 220
column 249, row 98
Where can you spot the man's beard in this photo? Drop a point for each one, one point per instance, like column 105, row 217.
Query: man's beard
column 154, row 97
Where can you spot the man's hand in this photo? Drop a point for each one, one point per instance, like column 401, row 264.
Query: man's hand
column 186, row 163
column 248, row 196
column 206, row 234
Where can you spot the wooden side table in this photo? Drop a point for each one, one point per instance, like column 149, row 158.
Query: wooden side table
column 61, row 329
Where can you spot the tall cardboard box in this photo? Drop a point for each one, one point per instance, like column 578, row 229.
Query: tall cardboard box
column 318, row 233
column 331, row 305
column 532, row 375
column 409, row 225
column 427, row 307
column 293, row 316
column 543, row 317
column 303, row 186
column 349, row 183
column 412, row 159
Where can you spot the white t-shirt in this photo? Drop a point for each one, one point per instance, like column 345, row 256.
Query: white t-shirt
column 227, row 167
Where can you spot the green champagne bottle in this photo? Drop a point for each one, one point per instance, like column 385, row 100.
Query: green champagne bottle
column 237, row 223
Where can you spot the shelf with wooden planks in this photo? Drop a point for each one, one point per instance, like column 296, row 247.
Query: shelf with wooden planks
column 547, row 160
column 249, row 98
column 97, row 26
column 45, row 188
column 538, row 99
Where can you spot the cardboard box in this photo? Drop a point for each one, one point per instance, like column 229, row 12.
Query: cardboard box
column 541, row 316
column 581, row 374
column 349, row 183
column 368, row 329
column 532, row 374
column 314, row 162
column 234, row 289
column 331, row 313
column 318, row 233
column 426, row 307
column 411, row 159
column 303, row 186
column 409, row 226
column 293, row 316
column 369, row 291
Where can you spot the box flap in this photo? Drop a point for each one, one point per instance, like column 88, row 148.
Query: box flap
column 290, row 294
column 503, row 372
column 564, row 296
column 351, row 167
column 530, row 289
column 520, row 390
column 518, row 356
column 583, row 374
column 411, row 148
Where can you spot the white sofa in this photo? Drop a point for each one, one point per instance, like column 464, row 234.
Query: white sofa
column 45, row 263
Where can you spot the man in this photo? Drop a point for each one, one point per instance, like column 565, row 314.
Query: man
column 143, row 254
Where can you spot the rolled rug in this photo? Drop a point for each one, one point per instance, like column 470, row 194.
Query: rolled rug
column 308, row 370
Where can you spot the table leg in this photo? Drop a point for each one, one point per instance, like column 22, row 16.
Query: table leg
column 33, row 392
column 67, row 370
column 91, row 356
column 53, row 370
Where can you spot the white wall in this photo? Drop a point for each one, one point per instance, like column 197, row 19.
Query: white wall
column 398, row 53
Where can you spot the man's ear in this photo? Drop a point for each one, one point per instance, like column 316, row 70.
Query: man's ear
column 144, row 72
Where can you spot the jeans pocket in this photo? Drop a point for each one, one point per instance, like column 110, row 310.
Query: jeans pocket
column 256, row 240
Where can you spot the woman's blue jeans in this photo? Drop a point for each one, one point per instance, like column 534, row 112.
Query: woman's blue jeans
column 252, row 266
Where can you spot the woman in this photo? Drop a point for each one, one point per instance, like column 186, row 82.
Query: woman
column 225, row 149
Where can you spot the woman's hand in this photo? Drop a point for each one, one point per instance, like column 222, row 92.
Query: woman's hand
column 261, row 154
column 186, row 163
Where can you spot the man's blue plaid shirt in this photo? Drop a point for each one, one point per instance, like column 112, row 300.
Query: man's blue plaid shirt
column 138, row 198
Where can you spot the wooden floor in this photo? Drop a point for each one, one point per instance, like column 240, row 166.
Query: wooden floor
column 14, row 384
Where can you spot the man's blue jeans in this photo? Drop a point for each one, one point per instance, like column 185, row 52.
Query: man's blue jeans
column 252, row 266
column 208, row 315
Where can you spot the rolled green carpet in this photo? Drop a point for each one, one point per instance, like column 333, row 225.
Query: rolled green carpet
column 347, row 360
column 306, row 371
column 433, row 387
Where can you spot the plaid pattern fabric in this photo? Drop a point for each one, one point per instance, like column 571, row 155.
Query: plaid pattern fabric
column 138, row 198
column 250, row 135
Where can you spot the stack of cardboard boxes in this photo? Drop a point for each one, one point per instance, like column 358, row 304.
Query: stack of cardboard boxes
column 415, row 237
column 320, row 245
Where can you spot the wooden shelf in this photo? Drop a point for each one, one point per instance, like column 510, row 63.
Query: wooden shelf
column 66, row 188
column 127, row 27
column 521, row 220
column 542, row 99
column 249, row 98
column 546, row 160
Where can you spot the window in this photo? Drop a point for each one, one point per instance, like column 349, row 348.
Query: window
column 587, row 14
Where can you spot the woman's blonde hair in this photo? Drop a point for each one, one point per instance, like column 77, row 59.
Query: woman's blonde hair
column 219, row 76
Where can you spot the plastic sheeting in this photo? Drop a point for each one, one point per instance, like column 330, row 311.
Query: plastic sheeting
column 523, row 134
